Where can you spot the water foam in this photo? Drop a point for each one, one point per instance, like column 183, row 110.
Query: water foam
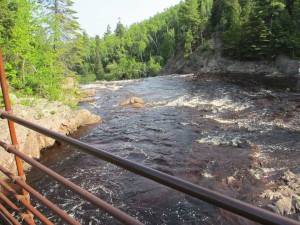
column 207, row 175
column 216, row 105
column 220, row 140
column 107, row 85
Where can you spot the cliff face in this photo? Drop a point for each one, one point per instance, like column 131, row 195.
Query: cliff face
column 213, row 62
column 51, row 115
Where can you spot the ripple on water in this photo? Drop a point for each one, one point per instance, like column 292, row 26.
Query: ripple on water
column 197, row 130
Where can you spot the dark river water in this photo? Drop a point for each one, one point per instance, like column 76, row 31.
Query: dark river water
column 233, row 138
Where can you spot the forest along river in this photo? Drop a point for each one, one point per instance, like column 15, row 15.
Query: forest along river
column 228, row 137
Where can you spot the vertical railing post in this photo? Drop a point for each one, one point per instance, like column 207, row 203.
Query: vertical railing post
column 11, row 125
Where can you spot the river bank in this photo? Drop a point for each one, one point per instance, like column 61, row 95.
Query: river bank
column 281, row 72
column 55, row 116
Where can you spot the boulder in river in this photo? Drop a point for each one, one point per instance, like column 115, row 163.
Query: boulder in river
column 138, row 105
column 126, row 102
column 135, row 102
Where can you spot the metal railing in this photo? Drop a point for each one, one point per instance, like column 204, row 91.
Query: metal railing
column 230, row 204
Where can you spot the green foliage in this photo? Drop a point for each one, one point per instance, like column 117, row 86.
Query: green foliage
column 249, row 29
column 33, row 65
column 6, row 19
column 254, row 29
column 126, row 68
column 206, row 46
column 143, row 49
column 27, row 102
column 138, row 51
column 188, row 43
column 43, row 43
column 88, row 78
column 189, row 20
column 167, row 48
column 120, row 29
column 154, row 66
column 60, row 20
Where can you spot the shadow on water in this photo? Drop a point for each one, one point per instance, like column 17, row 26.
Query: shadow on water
column 220, row 135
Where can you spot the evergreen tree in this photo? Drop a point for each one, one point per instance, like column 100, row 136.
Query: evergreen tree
column 189, row 39
column 189, row 20
column 205, row 7
column 108, row 31
column 232, row 35
column 6, row 19
column 62, row 28
column 217, row 11
column 256, row 38
column 120, row 29
column 28, row 53
column 98, row 59
column 295, row 35
column 168, row 45
column 61, row 21
column 41, row 47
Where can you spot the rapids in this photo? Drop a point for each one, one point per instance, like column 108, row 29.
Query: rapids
column 233, row 138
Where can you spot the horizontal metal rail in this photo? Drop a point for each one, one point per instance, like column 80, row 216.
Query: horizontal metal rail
column 33, row 210
column 39, row 197
column 126, row 219
column 8, row 216
column 217, row 199
column 24, row 217
column 4, row 219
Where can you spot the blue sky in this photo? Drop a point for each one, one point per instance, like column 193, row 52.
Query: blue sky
column 95, row 15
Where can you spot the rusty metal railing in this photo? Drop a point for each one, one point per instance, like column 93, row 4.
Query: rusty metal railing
column 217, row 199
column 76, row 189
column 233, row 205
column 11, row 126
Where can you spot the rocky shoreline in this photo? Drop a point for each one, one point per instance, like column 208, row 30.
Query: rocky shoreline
column 55, row 116
column 285, row 198
column 282, row 70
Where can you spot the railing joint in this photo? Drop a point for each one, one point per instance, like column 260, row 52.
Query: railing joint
column 11, row 111
column 19, row 197
column 15, row 177
column 26, row 215
column 25, row 197
column 8, row 147
column 17, row 146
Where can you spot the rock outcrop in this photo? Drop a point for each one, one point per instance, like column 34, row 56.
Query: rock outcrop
column 52, row 115
column 285, row 199
column 212, row 62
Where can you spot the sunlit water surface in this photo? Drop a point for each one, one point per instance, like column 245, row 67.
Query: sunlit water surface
column 202, row 130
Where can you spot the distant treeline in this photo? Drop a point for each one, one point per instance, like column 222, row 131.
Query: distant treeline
column 43, row 42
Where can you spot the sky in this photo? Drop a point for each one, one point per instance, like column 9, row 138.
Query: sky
column 95, row 15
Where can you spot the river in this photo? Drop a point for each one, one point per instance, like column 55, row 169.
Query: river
column 231, row 137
